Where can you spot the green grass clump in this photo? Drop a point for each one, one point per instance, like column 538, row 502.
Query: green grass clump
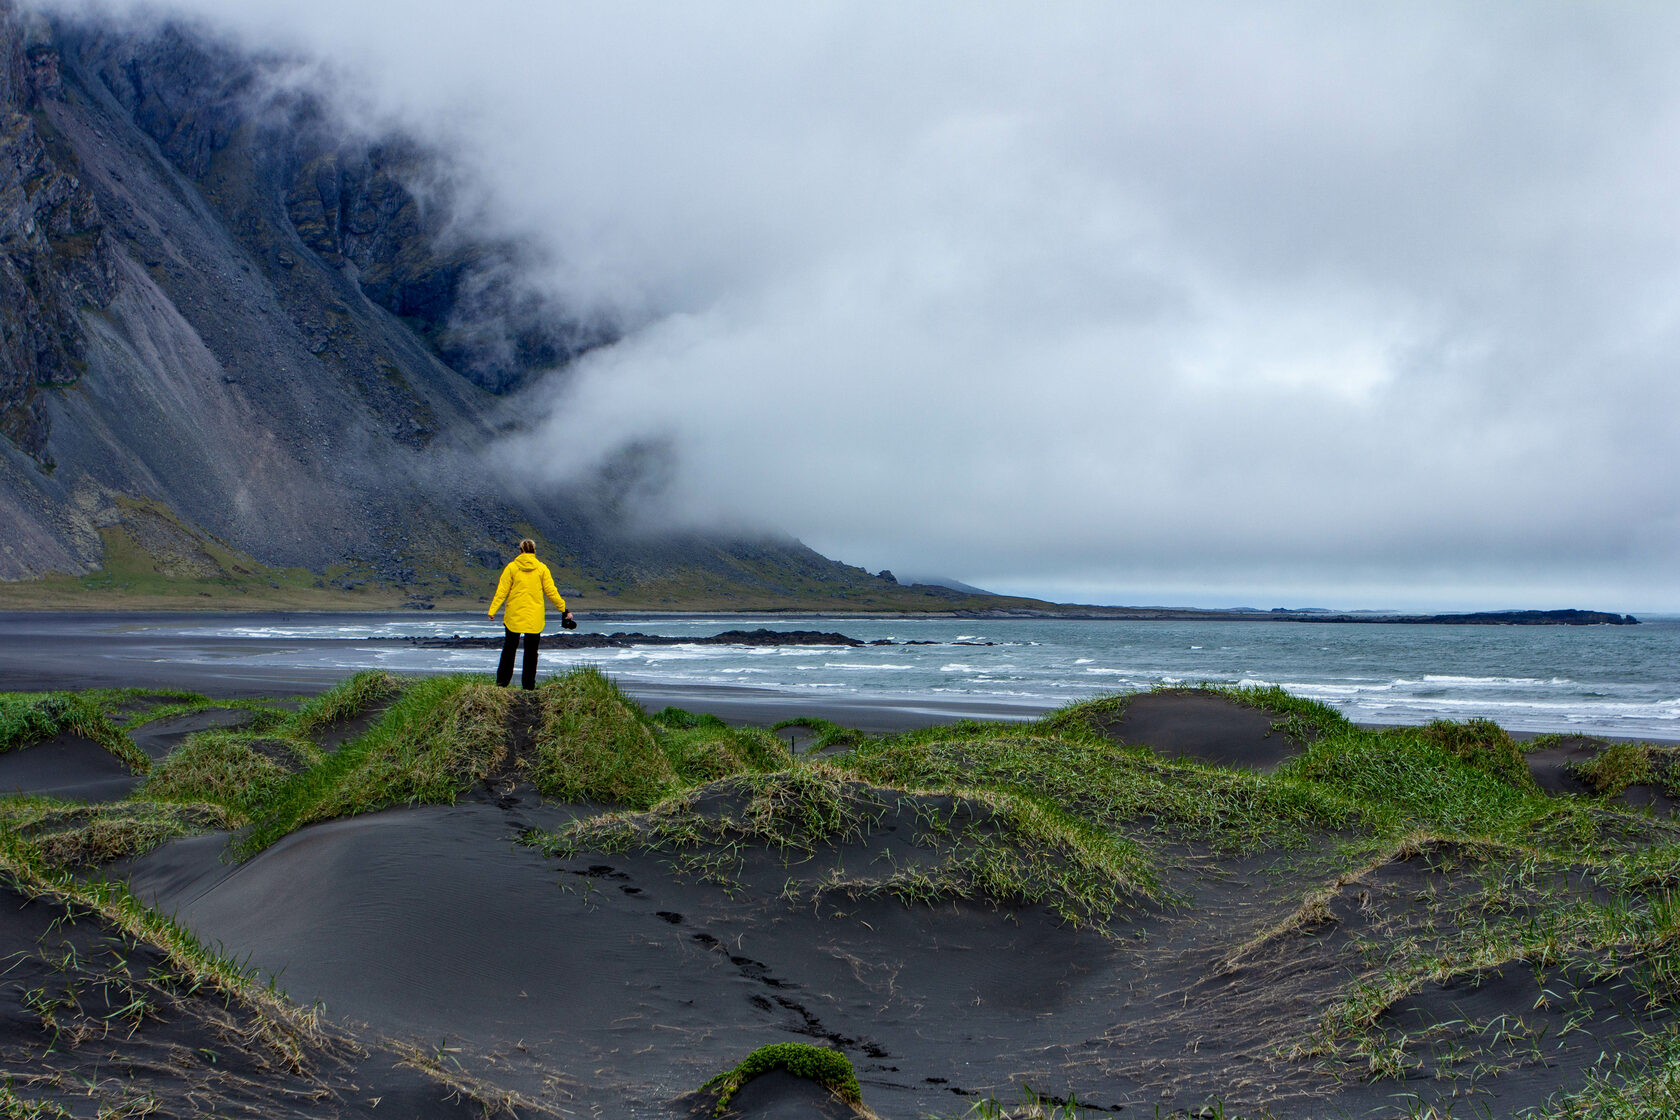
column 1109, row 786
column 968, row 844
column 1405, row 779
column 1085, row 718
column 1484, row 745
column 65, row 834
column 440, row 737
column 593, row 743
column 1617, row 767
column 681, row 719
column 345, row 701
column 709, row 752
column 828, row 1068
column 237, row 770
column 27, row 718
column 1302, row 720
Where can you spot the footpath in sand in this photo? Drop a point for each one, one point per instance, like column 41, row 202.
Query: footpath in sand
column 1177, row 903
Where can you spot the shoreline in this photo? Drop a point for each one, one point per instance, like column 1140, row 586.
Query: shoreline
column 1067, row 612
column 53, row 650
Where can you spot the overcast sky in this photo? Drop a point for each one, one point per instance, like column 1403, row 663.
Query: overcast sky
column 1223, row 304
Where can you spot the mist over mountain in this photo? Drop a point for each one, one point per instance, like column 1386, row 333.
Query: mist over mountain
column 227, row 317
column 1204, row 305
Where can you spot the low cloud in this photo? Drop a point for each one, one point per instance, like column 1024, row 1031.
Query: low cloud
column 1200, row 303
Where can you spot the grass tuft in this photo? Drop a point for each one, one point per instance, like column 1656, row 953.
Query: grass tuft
column 345, row 701
column 439, row 738
column 828, row 1068
column 593, row 743
column 1618, row 767
column 237, row 770
column 28, row 718
column 1484, row 745
column 63, row 834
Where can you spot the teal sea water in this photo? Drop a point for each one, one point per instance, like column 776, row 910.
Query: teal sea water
column 1607, row 680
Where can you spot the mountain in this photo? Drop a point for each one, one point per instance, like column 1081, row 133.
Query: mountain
column 243, row 350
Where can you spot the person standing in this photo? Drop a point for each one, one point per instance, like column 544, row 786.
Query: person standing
column 525, row 583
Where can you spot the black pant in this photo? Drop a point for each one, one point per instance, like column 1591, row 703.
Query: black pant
column 528, row 670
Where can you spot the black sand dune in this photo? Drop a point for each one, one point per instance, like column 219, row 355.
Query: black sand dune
column 610, row 983
column 160, row 736
column 84, row 1009
column 68, row 766
column 1553, row 766
column 615, row 974
column 615, row 984
column 1555, row 769
column 1203, row 727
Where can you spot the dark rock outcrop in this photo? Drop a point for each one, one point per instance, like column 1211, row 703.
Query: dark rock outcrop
column 624, row 640
column 54, row 258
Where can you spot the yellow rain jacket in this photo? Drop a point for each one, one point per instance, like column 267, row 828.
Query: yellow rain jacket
column 524, row 584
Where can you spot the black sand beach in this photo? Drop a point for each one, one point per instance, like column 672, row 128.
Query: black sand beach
column 614, row 983
column 54, row 650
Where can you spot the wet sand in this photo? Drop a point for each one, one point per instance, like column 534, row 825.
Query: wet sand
column 56, row 650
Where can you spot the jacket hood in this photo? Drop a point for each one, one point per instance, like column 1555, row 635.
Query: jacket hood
column 527, row 561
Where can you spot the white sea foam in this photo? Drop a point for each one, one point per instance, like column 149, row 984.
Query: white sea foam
column 1619, row 681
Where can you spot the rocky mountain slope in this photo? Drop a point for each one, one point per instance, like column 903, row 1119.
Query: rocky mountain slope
column 238, row 341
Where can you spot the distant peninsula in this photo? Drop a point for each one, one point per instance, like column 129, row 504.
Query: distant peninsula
column 1497, row 618
column 1569, row 617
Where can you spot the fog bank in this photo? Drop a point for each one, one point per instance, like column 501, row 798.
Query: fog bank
column 1303, row 305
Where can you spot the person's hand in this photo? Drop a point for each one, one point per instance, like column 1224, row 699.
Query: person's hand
column 567, row 621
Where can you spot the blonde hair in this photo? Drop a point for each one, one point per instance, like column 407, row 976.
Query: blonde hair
column 527, row 545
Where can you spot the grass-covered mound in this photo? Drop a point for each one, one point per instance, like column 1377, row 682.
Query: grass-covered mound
column 442, row 735
column 241, row 772
column 593, row 743
column 66, row 834
column 346, row 700
column 30, row 718
column 1619, row 767
column 1403, row 906
column 824, row 838
column 826, row 1068
column 577, row 738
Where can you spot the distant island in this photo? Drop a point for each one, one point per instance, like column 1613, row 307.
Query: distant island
column 1498, row 618
column 1569, row 617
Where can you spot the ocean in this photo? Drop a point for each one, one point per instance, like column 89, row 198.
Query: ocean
column 1605, row 680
